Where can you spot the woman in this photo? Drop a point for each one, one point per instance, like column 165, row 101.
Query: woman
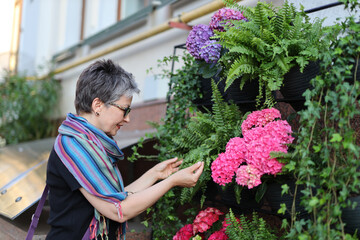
column 87, row 195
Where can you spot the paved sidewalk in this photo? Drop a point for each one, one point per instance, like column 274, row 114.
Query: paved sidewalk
column 10, row 232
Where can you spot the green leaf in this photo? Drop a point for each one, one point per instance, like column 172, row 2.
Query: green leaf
column 285, row 189
column 338, row 51
column 260, row 192
column 313, row 201
column 282, row 209
column 238, row 189
column 336, row 137
column 145, row 223
column 317, row 148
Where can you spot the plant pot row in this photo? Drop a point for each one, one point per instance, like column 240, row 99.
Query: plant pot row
column 294, row 85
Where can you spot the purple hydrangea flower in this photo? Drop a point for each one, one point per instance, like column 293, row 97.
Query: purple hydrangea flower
column 200, row 46
column 223, row 14
column 210, row 52
column 197, row 38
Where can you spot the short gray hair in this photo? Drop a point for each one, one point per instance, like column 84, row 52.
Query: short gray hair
column 104, row 80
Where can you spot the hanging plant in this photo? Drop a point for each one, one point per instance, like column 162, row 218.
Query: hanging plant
column 268, row 45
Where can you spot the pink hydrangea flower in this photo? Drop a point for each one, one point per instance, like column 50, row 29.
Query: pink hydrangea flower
column 218, row 235
column 185, row 233
column 218, row 20
column 223, row 168
column 261, row 142
column 263, row 133
column 205, row 219
column 249, row 176
column 236, row 149
column 260, row 118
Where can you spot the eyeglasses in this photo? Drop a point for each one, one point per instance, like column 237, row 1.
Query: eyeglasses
column 126, row 110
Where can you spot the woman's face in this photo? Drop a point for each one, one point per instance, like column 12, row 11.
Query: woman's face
column 111, row 118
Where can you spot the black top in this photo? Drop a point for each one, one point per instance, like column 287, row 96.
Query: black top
column 70, row 212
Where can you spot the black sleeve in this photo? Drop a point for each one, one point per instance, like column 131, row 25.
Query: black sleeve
column 59, row 170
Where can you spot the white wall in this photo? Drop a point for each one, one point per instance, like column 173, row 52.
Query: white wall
column 330, row 15
column 6, row 19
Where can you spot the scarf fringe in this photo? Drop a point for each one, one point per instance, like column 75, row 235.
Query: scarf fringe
column 118, row 208
column 93, row 228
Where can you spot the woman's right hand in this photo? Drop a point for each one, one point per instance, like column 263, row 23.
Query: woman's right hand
column 189, row 176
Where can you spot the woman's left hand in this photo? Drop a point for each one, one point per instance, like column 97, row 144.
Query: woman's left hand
column 167, row 167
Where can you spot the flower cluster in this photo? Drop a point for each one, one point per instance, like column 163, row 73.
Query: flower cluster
column 185, row 233
column 197, row 38
column 222, row 17
column 202, row 223
column 199, row 42
column 249, row 157
column 205, row 219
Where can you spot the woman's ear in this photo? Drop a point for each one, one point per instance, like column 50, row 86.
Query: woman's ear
column 97, row 106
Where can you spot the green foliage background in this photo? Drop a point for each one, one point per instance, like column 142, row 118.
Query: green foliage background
column 326, row 157
column 28, row 108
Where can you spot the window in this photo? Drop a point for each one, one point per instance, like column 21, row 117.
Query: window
column 99, row 15
column 129, row 7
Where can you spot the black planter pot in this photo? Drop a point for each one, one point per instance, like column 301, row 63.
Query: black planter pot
column 351, row 217
column 244, row 98
column 205, row 103
column 296, row 83
column 247, row 201
column 275, row 199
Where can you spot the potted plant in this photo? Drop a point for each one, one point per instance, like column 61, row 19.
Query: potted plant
column 326, row 156
column 248, row 157
column 267, row 46
column 202, row 45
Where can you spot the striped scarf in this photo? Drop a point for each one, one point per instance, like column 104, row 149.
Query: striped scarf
column 91, row 156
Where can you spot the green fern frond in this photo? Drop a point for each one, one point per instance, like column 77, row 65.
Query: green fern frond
column 243, row 50
column 205, row 137
column 263, row 13
column 230, row 3
column 242, row 65
column 196, row 132
column 254, row 229
column 218, row 105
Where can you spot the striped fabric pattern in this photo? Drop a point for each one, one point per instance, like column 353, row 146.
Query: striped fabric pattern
column 91, row 156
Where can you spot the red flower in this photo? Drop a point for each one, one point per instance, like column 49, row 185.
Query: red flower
column 205, row 219
column 218, row 235
column 185, row 233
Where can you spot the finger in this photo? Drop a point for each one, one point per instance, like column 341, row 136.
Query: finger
column 199, row 171
column 171, row 160
column 195, row 166
column 178, row 163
